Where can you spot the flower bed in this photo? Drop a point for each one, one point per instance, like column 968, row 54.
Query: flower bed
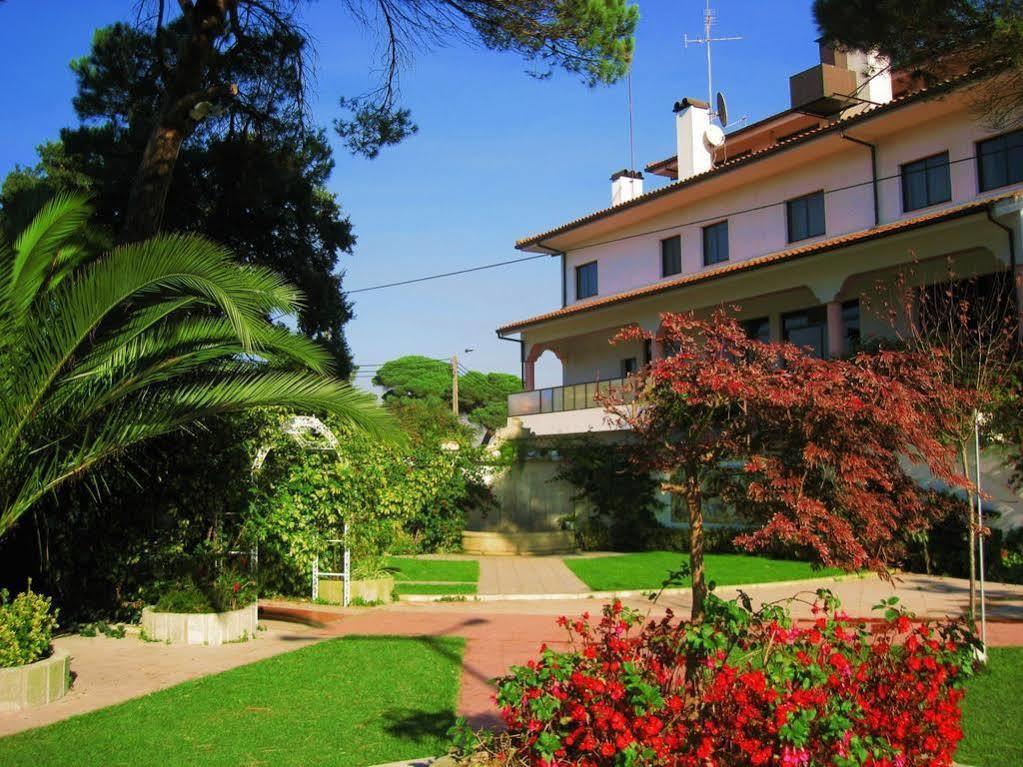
column 741, row 689
column 31, row 671
column 201, row 628
column 36, row 683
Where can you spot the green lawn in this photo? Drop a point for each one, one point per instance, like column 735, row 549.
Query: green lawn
column 648, row 569
column 434, row 576
column 345, row 703
column 993, row 712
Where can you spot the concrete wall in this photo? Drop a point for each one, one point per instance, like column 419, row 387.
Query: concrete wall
column 201, row 628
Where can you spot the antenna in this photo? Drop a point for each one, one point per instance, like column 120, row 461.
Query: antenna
column 710, row 18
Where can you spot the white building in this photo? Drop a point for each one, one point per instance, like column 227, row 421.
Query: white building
column 793, row 218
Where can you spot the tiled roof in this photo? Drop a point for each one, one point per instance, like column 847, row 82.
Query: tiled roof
column 840, row 124
column 823, row 246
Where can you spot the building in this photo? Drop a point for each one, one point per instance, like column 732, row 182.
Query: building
column 794, row 218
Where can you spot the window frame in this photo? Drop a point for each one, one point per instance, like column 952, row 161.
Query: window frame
column 805, row 198
column 626, row 363
column 716, row 227
column 929, row 202
column 664, row 271
column 978, row 149
column 578, row 280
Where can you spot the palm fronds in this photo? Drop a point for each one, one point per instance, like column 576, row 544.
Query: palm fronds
column 101, row 351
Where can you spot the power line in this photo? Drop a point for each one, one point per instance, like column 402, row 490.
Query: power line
column 448, row 274
column 661, row 230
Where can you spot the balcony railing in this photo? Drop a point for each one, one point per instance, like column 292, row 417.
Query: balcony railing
column 559, row 399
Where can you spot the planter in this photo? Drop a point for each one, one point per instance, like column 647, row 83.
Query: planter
column 201, row 628
column 495, row 543
column 366, row 589
column 36, row 683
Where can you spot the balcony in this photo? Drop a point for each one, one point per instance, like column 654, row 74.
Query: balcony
column 559, row 399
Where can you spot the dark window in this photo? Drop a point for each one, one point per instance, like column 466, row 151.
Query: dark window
column 648, row 351
column 808, row 327
column 586, row 280
column 926, row 182
column 805, row 216
column 851, row 326
column 1000, row 160
column 671, row 256
column 715, row 243
column 628, row 367
column 758, row 329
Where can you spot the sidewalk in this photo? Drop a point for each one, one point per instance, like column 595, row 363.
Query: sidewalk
column 527, row 575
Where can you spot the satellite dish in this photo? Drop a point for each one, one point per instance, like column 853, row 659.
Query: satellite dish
column 722, row 109
column 714, row 136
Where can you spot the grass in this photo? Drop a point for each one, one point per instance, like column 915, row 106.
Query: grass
column 993, row 711
column 343, row 703
column 454, row 570
column 648, row 569
column 435, row 588
column 434, row 576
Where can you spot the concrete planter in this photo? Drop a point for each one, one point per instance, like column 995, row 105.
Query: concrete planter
column 201, row 628
column 367, row 589
column 36, row 683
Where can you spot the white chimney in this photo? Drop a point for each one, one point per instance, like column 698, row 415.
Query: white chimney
column 692, row 120
column 873, row 76
column 626, row 185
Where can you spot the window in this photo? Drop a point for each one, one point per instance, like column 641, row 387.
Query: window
column 628, row 367
column 648, row 351
column 715, row 243
column 851, row 326
column 1000, row 161
column 805, row 216
column 586, row 280
column 926, row 182
column 758, row 329
column 808, row 327
column 671, row 256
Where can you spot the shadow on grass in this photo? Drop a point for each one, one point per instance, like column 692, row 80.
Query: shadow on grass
column 418, row 726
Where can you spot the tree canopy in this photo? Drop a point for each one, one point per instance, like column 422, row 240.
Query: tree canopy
column 483, row 397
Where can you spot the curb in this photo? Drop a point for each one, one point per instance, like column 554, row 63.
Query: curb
column 623, row 594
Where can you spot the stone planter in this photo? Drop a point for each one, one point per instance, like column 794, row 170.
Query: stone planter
column 36, row 683
column 367, row 589
column 201, row 628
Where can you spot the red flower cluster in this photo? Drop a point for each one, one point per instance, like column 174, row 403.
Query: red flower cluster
column 742, row 688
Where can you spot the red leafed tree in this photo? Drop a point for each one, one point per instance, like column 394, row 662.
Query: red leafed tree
column 812, row 452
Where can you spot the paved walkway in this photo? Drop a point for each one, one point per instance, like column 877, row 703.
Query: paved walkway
column 527, row 575
column 498, row 634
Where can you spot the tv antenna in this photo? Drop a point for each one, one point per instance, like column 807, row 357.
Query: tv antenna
column 710, row 18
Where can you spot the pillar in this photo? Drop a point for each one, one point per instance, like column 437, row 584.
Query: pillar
column 656, row 349
column 529, row 375
column 777, row 331
column 1019, row 297
column 836, row 329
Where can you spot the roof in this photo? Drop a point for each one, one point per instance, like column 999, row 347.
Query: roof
column 729, row 165
column 823, row 246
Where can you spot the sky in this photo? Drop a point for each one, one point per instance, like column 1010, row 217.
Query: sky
column 499, row 154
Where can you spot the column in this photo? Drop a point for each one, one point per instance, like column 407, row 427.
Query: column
column 656, row 349
column 777, row 331
column 529, row 375
column 1019, row 297
column 836, row 329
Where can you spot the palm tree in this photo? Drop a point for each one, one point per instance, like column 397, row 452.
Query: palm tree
column 101, row 351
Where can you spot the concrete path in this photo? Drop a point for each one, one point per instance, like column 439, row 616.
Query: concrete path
column 527, row 575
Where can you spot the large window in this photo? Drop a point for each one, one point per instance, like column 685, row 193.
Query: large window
column 851, row 326
column 808, row 327
column 671, row 256
column 758, row 329
column 1000, row 160
column 586, row 280
column 926, row 182
column 715, row 243
column 805, row 216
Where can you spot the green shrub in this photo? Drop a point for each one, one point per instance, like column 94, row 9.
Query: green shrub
column 229, row 590
column 26, row 627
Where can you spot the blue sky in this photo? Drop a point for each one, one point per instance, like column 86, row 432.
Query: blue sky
column 499, row 154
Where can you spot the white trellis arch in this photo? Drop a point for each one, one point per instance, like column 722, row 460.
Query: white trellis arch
column 312, row 434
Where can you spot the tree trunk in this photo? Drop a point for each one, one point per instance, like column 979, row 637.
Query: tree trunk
column 694, row 504
column 148, row 196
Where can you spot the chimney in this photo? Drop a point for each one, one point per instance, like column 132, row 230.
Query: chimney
column 692, row 119
column 845, row 79
column 626, row 185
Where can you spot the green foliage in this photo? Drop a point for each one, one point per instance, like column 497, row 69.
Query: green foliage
column 229, row 589
column 102, row 351
column 26, row 627
column 482, row 397
column 622, row 496
column 396, row 497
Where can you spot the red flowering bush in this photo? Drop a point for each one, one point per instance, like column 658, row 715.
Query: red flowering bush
column 740, row 688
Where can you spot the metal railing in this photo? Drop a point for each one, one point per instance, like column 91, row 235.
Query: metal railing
column 559, row 399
